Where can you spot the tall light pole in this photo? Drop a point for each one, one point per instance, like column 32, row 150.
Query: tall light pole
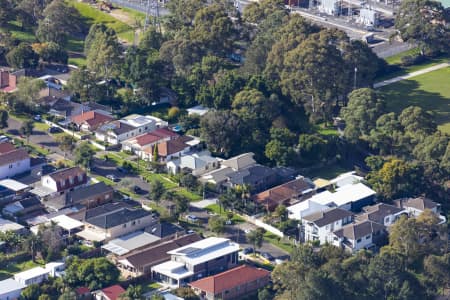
column 354, row 79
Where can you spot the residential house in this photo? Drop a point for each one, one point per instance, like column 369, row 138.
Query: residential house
column 351, row 197
column 194, row 261
column 62, row 181
column 356, row 236
column 286, row 193
column 170, row 149
column 14, row 185
column 304, row 208
column 109, row 293
column 130, row 242
column 83, row 293
column 10, row 289
column 140, row 262
column 197, row 164
column 257, row 177
column 416, row 206
column 55, row 268
column 165, row 230
column 381, row 213
column 116, row 132
column 33, row 276
column 320, row 226
column 349, row 178
column 198, row 110
column 13, row 161
column 65, row 109
column 90, row 196
column 115, row 223
column 91, row 120
column 9, row 79
column 48, row 96
column 25, row 206
column 7, row 225
column 6, row 195
column 237, row 283
column 146, row 141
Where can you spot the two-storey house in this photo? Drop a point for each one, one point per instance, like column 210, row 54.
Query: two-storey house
column 197, row 260
column 356, row 236
column 64, row 180
column 321, row 225
column 13, row 161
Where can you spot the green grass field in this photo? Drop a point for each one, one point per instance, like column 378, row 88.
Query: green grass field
column 430, row 91
column 93, row 15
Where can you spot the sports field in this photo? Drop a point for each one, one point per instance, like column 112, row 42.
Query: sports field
column 430, row 91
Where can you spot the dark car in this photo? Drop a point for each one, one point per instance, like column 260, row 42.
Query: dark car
column 55, row 129
column 248, row 250
column 122, row 170
column 137, row 189
column 267, row 256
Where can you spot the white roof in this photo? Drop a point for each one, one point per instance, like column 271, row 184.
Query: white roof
column 136, row 120
column 14, row 185
column 346, row 179
column 173, row 269
column 10, row 285
column 31, row 273
column 198, row 110
column 304, row 208
column 7, row 225
column 67, row 222
column 53, row 265
column 91, row 235
column 129, row 242
column 205, row 250
column 344, row 195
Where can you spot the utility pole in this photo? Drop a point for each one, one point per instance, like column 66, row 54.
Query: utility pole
column 354, row 79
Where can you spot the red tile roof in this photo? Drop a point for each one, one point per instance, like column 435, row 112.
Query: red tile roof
column 230, row 279
column 82, row 290
column 164, row 133
column 167, row 148
column 6, row 147
column 147, row 138
column 113, row 292
column 93, row 118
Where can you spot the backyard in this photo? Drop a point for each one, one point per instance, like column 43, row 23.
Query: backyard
column 430, row 91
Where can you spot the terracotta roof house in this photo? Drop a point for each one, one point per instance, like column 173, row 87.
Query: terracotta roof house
column 141, row 261
column 296, row 189
column 13, row 161
column 144, row 141
column 356, row 236
column 168, row 150
column 110, row 293
column 236, row 283
column 91, row 120
column 9, row 79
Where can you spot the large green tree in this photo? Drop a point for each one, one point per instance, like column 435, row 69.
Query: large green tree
column 84, row 155
column 22, row 56
column 424, row 22
column 94, row 273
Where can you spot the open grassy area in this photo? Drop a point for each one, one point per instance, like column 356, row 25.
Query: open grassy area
column 93, row 15
column 280, row 243
column 430, row 91
column 397, row 59
column 215, row 208
column 24, row 35
column 327, row 172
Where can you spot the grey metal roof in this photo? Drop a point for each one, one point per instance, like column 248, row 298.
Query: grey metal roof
column 117, row 218
column 327, row 217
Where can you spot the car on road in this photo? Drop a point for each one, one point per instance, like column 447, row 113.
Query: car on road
column 4, row 138
column 112, row 177
column 248, row 250
column 191, row 218
column 55, row 129
column 268, row 256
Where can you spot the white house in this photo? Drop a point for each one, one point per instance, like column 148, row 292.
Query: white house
column 320, row 226
column 197, row 163
column 147, row 140
column 350, row 197
column 381, row 213
column 13, row 161
column 416, row 206
column 356, row 236
column 10, row 289
column 61, row 181
column 133, row 125
column 55, row 269
column 305, row 208
column 32, row 276
column 197, row 260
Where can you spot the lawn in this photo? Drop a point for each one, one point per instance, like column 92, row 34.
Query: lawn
column 215, row 208
column 430, row 91
column 327, row 172
column 17, row 32
column 93, row 15
column 397, row 59
column 280, row 243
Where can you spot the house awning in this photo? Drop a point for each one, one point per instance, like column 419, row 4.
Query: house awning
column 66, row 222
column 91, row 236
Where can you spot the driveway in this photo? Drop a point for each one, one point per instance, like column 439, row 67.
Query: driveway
column 204, row 203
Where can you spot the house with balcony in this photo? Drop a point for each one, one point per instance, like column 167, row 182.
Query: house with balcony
column 197, row 260
column 361, row 235
column 320, row 226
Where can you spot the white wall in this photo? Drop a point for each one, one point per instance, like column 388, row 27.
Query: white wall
column 10, row 295
column 324, row 234
column 48, row 182
column 18, row 167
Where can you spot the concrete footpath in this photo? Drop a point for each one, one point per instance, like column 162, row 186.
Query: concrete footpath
column 410, row 75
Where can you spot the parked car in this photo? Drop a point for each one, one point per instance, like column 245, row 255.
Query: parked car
column 55, row 129
column 248, row 250
column 46, row 169
column 37, row 118
column 4, row 138
column 228, row 222
column 137, row 189
column 112, row 177
column 191, row 218
column 267, row 256
column 122, row 170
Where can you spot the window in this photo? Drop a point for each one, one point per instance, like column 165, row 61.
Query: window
column 80, row 177
column 327, row 227
column 10, row 166
column 358, row 240
column 368, row 237
column 133, row 223
column 71, row 180
column 63, row 182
